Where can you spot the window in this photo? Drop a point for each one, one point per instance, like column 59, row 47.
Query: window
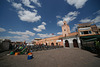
column 85, row 32
column 99, row 30
column 82, row 32
column 89, row 32
column 96, row 32
column 65, row 35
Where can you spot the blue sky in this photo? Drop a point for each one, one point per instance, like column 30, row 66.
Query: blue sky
column 28, row 19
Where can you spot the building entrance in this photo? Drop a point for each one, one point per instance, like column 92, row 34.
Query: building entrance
column 46, row 44
column 75, row 43
column 52, row 44
column 66, row 43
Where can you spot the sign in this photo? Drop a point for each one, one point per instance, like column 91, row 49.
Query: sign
column 87, row 28
column 30, row 44
column 58, row 40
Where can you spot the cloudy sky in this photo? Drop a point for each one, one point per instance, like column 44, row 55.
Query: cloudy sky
column 28, row 19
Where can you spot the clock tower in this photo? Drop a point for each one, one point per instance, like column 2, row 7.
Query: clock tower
column 65, row 29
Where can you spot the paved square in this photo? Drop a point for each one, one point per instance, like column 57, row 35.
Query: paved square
column 62, row 57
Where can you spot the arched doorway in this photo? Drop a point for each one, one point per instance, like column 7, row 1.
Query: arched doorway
column 66, row 43
column 56, row 44
column 75, row 43
column 52, row 44
column 46, row 44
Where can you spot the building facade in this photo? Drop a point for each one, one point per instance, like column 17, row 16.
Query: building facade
column 70, row 40
column 65, row 29
column 88, row 33
column 67, row 39
column 5, row 44
column 51, row 41
column 87, row 29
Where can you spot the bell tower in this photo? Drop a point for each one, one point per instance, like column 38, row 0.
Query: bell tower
column 65, row 29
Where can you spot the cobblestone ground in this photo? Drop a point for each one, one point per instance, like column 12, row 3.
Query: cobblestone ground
column 62, row 57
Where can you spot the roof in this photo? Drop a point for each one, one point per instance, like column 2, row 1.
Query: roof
column 60, row 36
column 37, row 38
column 74, row 34
column 84, row 24
column 51, row 38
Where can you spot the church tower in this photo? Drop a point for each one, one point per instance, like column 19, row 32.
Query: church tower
column 65, row 29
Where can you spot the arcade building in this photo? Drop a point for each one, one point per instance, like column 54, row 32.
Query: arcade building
column 67, row 39
column 86, row 35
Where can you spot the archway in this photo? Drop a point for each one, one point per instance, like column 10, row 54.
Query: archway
column 46, row 44
column 75, row 43
column 56, row 44
column 52, row 44
column 66, row 43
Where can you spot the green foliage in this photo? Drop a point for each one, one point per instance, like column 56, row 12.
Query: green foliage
column 98, row 44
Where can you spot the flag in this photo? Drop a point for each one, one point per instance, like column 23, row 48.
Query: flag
column 52, row 33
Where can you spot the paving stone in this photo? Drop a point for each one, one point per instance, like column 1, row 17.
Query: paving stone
column 62, row 57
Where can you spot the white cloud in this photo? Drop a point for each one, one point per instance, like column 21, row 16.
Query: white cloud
column 60, row 23
column 95, row 20
column 23, row 13
column 2, row 30
column 43, row 23
column 5, row 37
column 74, row 28
column 75, row 13
column 16, row 38
column 69, row 17
column 28, row 16
column 58, row 16
column 85, row 20
column 98, row 12
column 27, row 3
column 22, row 33
column 40, row 27
column 10, row 0
column 35, row 11
column 21, row 38
column 45, row 35
column 37, row 30
column 36, row 2
column 17, row 6
column 77, row 3
column 59, row 33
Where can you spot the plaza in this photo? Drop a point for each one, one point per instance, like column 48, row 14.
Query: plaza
column 62, row 57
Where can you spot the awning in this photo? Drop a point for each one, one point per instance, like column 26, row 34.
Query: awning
column 90, row 38
column 93, row 39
